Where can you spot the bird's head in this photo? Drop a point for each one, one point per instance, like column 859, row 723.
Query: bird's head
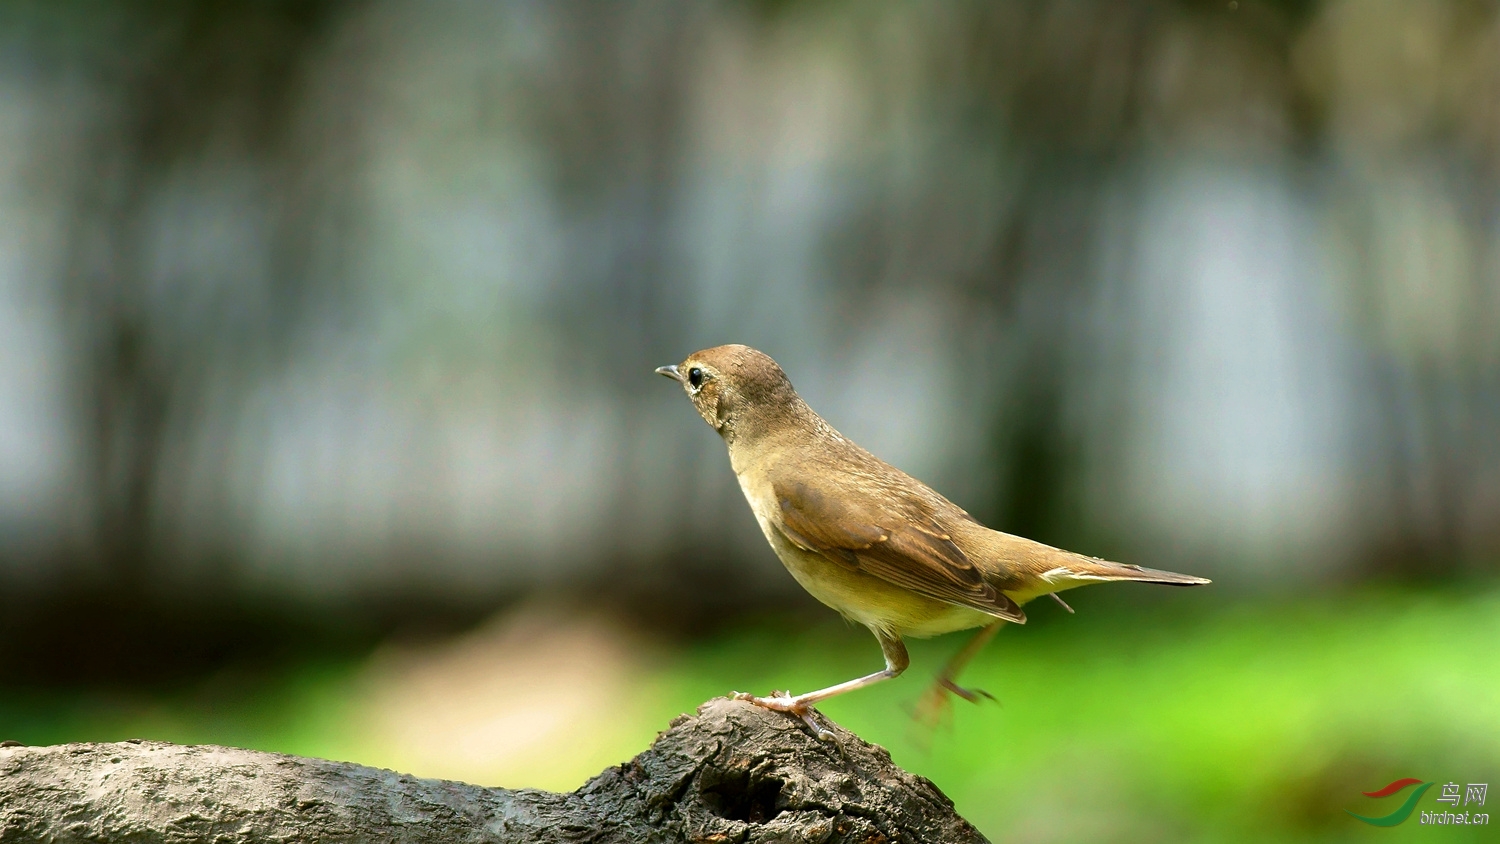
column 736, row 389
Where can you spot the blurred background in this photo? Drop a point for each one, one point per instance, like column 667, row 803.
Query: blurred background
column 327, row 420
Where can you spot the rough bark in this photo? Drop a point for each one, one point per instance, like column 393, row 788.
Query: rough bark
column 731, row 773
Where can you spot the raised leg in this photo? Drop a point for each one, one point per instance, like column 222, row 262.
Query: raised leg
column 801, row 705
column 935, row 701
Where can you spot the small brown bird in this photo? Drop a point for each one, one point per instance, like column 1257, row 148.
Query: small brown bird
column 867, row 539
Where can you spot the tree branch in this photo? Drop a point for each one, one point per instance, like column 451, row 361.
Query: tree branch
column 732, row 773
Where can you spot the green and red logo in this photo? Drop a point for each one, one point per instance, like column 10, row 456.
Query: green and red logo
column 1406, row 808
column 1452, row 793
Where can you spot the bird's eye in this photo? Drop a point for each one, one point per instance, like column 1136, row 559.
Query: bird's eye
column 695, row 377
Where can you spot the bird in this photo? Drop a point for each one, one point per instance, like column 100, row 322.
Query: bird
column 868, row 540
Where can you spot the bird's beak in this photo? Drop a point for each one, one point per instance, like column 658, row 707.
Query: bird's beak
column 670, row 372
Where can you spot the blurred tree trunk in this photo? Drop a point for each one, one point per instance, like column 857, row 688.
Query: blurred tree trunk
column 213, row 84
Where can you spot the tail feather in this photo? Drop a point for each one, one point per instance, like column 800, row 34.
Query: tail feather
column 1080, row 568
column 1024, row 569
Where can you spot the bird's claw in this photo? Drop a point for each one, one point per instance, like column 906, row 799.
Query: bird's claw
column 935, row 707
column 783, row 702
column 970, row 695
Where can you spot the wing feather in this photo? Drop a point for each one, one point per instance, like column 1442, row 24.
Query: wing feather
column 899, row 542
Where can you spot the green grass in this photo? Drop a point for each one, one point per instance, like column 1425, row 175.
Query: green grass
column 1165, row 719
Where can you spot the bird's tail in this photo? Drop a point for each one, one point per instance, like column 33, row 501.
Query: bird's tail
column 1079, row 569
column 1024, row 569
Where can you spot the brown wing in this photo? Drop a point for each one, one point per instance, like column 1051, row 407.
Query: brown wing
column 909, row 549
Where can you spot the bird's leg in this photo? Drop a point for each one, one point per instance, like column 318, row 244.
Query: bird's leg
column 801, row 705
column 935, row 701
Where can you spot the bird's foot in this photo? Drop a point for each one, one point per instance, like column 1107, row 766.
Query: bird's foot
column 784, row 702
column 970, row 695
column 936, row 708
